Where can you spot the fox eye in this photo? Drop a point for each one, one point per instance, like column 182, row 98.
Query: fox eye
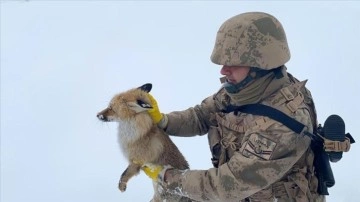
column 143, row 104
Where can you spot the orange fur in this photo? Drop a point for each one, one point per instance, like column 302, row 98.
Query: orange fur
column 140, row 139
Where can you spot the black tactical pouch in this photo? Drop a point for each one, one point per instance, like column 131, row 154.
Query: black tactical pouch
column 329, row 143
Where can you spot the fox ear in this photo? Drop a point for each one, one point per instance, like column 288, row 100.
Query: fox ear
column 146, row 87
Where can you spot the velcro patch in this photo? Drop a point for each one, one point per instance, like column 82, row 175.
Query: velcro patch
column 259, row 146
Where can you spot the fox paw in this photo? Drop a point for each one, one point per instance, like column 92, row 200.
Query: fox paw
column 122, row 186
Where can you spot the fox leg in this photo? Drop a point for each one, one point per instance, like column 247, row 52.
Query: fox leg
column 130, row 171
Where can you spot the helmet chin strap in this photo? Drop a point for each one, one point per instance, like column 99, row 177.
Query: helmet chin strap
column 253, row 74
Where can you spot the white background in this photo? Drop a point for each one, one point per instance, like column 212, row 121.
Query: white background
column 62, row 61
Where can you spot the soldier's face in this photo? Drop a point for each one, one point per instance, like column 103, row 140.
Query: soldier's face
column 235, row 74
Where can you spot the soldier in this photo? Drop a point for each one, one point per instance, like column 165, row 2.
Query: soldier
column 255, row 157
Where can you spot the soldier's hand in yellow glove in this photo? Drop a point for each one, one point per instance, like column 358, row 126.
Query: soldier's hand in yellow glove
column 152, row 171
column 155, row 172
column 155, row 113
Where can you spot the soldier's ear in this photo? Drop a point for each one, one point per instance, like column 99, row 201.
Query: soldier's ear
column 146, row 87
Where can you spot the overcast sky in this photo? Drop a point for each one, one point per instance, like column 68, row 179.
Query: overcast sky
column 62, row 61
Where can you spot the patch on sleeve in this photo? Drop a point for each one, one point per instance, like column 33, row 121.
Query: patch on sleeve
column 258, row 146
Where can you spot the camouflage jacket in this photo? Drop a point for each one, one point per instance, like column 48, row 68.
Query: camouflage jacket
column 260, row 158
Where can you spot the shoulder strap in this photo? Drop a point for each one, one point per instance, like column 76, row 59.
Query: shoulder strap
column 322, row 165
column 281, row 117
column 264, row 110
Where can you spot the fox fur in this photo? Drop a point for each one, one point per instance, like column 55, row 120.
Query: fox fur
column 140, row 140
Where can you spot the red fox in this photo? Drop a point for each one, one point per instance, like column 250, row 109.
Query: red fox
column 141, row 141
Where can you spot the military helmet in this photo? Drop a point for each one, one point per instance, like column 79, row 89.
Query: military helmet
column 252, row 39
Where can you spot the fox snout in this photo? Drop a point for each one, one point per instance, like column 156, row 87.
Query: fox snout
column 101, row 117
column 105, row 115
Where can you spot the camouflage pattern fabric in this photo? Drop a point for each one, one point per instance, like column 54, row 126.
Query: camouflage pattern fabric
column 255, row 158
column 261, row 158
column 251, row 39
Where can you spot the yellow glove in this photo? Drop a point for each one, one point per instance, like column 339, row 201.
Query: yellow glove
column 154, row 111
column 152, row 171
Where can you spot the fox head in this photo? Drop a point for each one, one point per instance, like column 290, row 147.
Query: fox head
column 127, row 105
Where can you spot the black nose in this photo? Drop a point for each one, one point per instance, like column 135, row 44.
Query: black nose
column 101, row 117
